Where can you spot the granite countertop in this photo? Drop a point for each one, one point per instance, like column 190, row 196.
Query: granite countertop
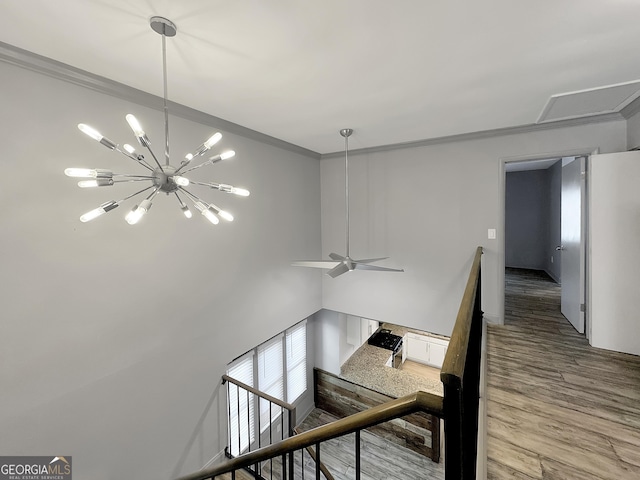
column 366, row 367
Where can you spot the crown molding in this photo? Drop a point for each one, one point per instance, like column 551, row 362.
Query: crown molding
column 630, row 110
column 61, row 71
column 484, row 134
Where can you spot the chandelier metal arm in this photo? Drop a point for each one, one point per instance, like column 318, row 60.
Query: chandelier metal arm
column 155, row 158
column 192, row 197
column 137, row 158
column 131, row 175
column 195, row 167
column 137, row 193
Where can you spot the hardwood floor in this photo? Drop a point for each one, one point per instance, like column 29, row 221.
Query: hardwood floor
column 426, row 371
column 381, row 459
column 556, row 407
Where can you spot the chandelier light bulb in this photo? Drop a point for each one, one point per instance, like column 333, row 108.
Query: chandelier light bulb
column 227, row 155
column 129, row 148
column 96, row 212
column 135, row 126
column 242, row 192
column 209, row 215
column 80, row 172
column 138, row 212
column 186, row 211
column 92, row 132
column 134, row 215
column 212, row 140
column 226, row 215
column 99, row 182
column 206, row 213
column 182, row 181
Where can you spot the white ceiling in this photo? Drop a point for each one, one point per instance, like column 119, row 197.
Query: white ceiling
column 298, row 70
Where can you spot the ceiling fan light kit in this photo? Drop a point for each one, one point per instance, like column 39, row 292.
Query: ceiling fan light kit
column 343, row 264
column 166, row 178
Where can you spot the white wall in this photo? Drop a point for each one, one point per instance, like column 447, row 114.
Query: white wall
column 614, row 207
column 327, row 331
column 114, row 337
column 633, row 131
column 428, row 207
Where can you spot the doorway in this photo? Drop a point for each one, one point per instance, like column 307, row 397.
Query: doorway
column 545, row 225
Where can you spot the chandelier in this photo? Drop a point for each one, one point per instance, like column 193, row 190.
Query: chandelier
column 166, row 178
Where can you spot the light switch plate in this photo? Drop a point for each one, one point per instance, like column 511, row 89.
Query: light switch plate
column 491, row 234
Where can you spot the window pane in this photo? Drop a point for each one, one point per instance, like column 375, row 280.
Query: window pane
column 296, row 361
column 270, row 378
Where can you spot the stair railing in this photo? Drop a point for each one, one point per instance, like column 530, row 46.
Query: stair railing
column 254, row 396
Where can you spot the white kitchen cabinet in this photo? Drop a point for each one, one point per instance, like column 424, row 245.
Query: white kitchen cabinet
column 426, row 349
column 417, row 348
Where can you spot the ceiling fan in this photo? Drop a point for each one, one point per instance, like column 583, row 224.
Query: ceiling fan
column 343, row 264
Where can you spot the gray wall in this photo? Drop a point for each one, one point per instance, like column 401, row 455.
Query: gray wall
column 115, row 337
column 554, row 176
column 532, row 219
column 527, row 219
column 427, row 208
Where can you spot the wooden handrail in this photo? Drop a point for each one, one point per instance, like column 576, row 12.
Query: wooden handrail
column 258, row 393
column 456, row 356
column 312, row 454
column 418, row 401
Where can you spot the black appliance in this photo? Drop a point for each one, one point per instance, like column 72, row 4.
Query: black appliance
column 383, row 338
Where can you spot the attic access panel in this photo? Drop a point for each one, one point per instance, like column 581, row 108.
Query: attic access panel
column 590, row 102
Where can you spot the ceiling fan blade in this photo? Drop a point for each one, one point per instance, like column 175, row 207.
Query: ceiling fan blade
column 338, row 270
column 336, row 257
column 364, row 266
column 370, row 260
column 315, row 263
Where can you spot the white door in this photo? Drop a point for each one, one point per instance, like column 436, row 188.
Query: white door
column 572, row 242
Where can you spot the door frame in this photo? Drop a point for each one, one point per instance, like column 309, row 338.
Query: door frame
column 578, row 152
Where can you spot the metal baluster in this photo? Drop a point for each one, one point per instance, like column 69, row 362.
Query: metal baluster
column 357, row 454
column 281, row 424
column 229, row 405
column 270, row 439
column 284, row 466
column 233, row 475
column 248, row 423
column 302, row 463
column 238, row 418
column 259, row 436
column 318, row 461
